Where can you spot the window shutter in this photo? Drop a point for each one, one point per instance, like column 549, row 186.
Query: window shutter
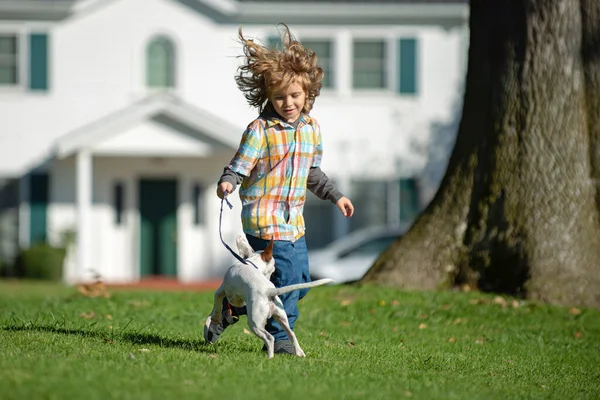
column 407, row 64
column 38, row 206
column 38, row 61
column 274, row 42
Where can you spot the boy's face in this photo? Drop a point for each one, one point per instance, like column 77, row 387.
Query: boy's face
column 289, row 102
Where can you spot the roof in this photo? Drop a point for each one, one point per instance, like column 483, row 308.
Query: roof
column 163, row 107
column 32, row 10
column 358, row 1
column 297, row 12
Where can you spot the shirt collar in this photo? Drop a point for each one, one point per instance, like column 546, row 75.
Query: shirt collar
column 273, row 118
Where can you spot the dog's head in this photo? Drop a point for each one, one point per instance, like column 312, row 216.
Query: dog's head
column 263, row 260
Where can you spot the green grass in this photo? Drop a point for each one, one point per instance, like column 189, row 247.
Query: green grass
column 361, row 343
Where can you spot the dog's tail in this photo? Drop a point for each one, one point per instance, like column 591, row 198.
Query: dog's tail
column 298, row 286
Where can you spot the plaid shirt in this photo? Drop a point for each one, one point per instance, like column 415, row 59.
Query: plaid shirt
column 275, row 159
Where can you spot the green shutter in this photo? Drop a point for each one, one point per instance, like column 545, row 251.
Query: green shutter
column 407, row 63
column 38, row 61
column 274, row 42
column 38, row 206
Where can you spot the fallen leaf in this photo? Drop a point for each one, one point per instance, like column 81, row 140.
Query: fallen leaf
column 89, row 315
column 423, row 316
column 139, row 303
column 108, row 316
column 345, row 302
column 407, row 393
column 446, row 306
column 500, row 301
column 351, row 343
column 213, row 355
column 451, row 340
column 110, row 327
column 422, row 326
column 109, row 341
column 480, row 340
column 574, row 311
column 395, row 303
column 578, row 335
column 458, row 320
column 345, row 323
column 322, row 333
column 372, row 311
column 395, row 329
column 247, row 332
column 381, row 303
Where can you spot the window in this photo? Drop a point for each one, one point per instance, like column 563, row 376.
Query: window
column 198, row 202
column 33, row 73
column 9, row 60
column 369, row 64
column 323, row 50
column 39, row 196
column 119, row 202
column 160, row 63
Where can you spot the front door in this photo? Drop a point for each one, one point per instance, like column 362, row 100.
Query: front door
column 158, row 226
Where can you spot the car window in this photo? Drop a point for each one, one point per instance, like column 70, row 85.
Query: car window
column 371, row 247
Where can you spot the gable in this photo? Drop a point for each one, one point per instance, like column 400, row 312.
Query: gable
column 153, row 138
column 160, row 123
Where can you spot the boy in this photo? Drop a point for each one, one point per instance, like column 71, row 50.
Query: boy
column 278, row 158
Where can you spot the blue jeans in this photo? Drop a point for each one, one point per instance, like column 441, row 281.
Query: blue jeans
column 291, row 266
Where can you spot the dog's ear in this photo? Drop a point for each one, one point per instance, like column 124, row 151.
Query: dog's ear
column 267, row 254
column 244, row 247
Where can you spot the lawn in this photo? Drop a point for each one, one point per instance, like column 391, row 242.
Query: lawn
column 361, row 343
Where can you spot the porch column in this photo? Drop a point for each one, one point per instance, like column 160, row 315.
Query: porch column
column 84, row 204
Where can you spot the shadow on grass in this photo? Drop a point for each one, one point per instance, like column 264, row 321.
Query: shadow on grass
column 135, row 338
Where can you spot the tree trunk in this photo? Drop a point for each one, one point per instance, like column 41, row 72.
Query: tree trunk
column 516, row 210
column 590, row 51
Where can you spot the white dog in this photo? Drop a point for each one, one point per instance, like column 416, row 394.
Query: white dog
column 244, row 284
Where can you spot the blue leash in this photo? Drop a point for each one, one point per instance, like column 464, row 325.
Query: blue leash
column 237, row 256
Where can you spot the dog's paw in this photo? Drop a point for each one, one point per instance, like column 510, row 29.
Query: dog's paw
column 300, row 353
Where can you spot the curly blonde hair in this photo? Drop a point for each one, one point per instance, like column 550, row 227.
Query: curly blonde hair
column 267, row 70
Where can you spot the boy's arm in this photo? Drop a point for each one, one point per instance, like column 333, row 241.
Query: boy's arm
column 230, row 176
column 243, row 161
column 322, row 186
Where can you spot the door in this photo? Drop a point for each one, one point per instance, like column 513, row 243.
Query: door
column 158, row 227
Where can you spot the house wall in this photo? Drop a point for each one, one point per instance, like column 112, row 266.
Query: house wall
column 97, row 66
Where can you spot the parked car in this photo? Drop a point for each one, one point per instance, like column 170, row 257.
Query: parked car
column 349, row 258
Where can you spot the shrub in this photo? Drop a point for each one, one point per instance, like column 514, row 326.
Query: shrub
column 42, row 261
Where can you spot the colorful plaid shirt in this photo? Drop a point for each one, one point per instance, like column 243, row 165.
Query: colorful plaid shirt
column 275, row 159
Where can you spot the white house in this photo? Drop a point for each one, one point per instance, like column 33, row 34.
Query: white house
column 118, row 116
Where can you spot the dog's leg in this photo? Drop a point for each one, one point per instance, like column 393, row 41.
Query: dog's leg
column 257, row 319
column 217, row 312
column 281, row 317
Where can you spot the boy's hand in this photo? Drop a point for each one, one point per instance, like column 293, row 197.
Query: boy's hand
column 345, row 206
column 224, row 187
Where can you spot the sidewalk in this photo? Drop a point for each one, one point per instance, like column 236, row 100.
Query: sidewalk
column 170, row 284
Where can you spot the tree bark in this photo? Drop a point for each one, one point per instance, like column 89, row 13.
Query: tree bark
column 516, row 210
column 590, row 52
